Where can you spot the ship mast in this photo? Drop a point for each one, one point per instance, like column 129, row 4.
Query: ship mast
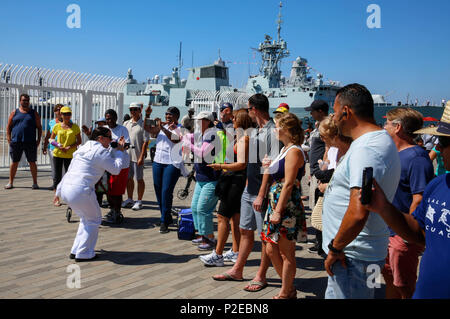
column 279, row 22
column 272, row 52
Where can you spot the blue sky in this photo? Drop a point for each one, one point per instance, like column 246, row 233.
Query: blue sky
column 409, row 54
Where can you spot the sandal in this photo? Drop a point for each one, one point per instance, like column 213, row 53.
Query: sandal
column 9, row 186
column 259, row 286
column 292, row 295
column 226, row 277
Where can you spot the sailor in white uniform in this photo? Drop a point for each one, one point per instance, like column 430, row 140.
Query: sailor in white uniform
column 77, row 187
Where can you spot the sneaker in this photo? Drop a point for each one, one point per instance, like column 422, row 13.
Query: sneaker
column 137, row 205
column 230, row 256
column 197, row 241
column 212, row 260
column 127, row 203
column 109, row 218
column 208, row 244
column 35, row 186
column 163, row 229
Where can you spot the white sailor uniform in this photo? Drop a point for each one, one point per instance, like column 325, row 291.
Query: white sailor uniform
column 77, row 189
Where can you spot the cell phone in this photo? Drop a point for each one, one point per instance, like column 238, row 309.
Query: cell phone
column 366, row 189
column 149, row 122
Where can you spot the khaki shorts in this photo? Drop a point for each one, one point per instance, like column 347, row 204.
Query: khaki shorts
column 135, row 169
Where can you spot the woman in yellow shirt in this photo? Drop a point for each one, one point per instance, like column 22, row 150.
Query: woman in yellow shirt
column 68, row 137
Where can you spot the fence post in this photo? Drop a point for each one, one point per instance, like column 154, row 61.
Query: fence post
column 86, row 109
column 119, row 105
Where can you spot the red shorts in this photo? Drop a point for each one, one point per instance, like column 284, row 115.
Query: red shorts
column 118, row 183
column 402, row 261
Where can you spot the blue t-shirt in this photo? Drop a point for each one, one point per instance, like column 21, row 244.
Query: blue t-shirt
column 50, row 129
column 417, row 172
column 376, row 150
column 433, row 215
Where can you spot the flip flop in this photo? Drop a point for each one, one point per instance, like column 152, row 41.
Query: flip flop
column 226, row 277
column 260, row 286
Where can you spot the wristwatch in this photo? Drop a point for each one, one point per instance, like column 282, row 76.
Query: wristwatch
column 334, row 250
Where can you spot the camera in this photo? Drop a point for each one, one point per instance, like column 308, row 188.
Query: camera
column 114, row 144
column 149, row 122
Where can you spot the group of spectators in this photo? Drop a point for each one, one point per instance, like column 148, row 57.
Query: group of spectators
column 249, row 155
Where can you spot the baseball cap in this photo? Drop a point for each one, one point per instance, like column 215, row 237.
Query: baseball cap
column 285, row 105
column 226, row 105
column 191, row 109
column 102, row 119
column 66, row 109
column 204, row 115
column 136, row 104
column 318, row 105
column 281, row 109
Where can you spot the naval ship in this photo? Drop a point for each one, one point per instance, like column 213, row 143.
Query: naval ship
column 299, row 90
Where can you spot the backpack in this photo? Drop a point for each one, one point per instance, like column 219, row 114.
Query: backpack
column 186, row 229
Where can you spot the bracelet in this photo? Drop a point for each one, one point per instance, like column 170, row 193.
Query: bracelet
column 332, row 249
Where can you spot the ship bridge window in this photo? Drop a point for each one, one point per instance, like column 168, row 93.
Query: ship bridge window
column 214, row 72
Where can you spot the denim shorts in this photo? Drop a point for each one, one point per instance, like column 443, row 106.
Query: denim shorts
column 16, row 150
column 250, row 219
column 357, row 281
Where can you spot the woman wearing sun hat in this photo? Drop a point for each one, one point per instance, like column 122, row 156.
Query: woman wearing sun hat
column 68, row 137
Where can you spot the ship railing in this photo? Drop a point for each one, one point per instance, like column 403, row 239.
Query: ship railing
column 88, row 95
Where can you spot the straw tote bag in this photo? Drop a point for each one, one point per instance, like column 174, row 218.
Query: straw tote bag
column 316, row 215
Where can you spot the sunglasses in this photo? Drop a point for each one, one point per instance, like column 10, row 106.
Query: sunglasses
column 134, row 109
column 66, row 114
column 169, row 114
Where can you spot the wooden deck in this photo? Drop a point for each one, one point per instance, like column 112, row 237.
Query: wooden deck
column 136, row 260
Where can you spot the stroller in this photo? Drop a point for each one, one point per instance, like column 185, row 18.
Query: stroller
column 182, row 194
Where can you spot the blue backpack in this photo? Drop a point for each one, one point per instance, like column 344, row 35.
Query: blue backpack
column 186, row 229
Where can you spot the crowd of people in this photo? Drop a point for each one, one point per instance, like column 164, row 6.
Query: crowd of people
column 251, row 165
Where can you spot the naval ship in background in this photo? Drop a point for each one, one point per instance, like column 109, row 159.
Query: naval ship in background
column 209, row 85
column 298, row 91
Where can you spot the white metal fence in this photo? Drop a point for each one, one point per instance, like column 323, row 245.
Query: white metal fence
column 203, row 100
column 88, row 95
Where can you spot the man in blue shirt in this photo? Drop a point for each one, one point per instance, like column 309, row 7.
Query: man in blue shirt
column 429, row 224
column 356, row 240
column 400, row 270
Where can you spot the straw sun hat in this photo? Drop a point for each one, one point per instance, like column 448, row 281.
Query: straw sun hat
column 443, row 127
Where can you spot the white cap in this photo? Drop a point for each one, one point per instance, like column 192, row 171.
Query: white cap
column 204, row 115
column 136, row 104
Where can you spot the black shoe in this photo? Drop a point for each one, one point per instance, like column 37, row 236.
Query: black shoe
column 314, row 249
column 163, row 229
column 79, row 260
column 72, row 256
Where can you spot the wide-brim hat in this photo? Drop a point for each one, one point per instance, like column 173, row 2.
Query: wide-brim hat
column 443, row 127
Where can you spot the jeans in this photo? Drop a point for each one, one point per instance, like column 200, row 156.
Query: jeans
column 357, row 281
column 165, row 177
column 203, row 203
